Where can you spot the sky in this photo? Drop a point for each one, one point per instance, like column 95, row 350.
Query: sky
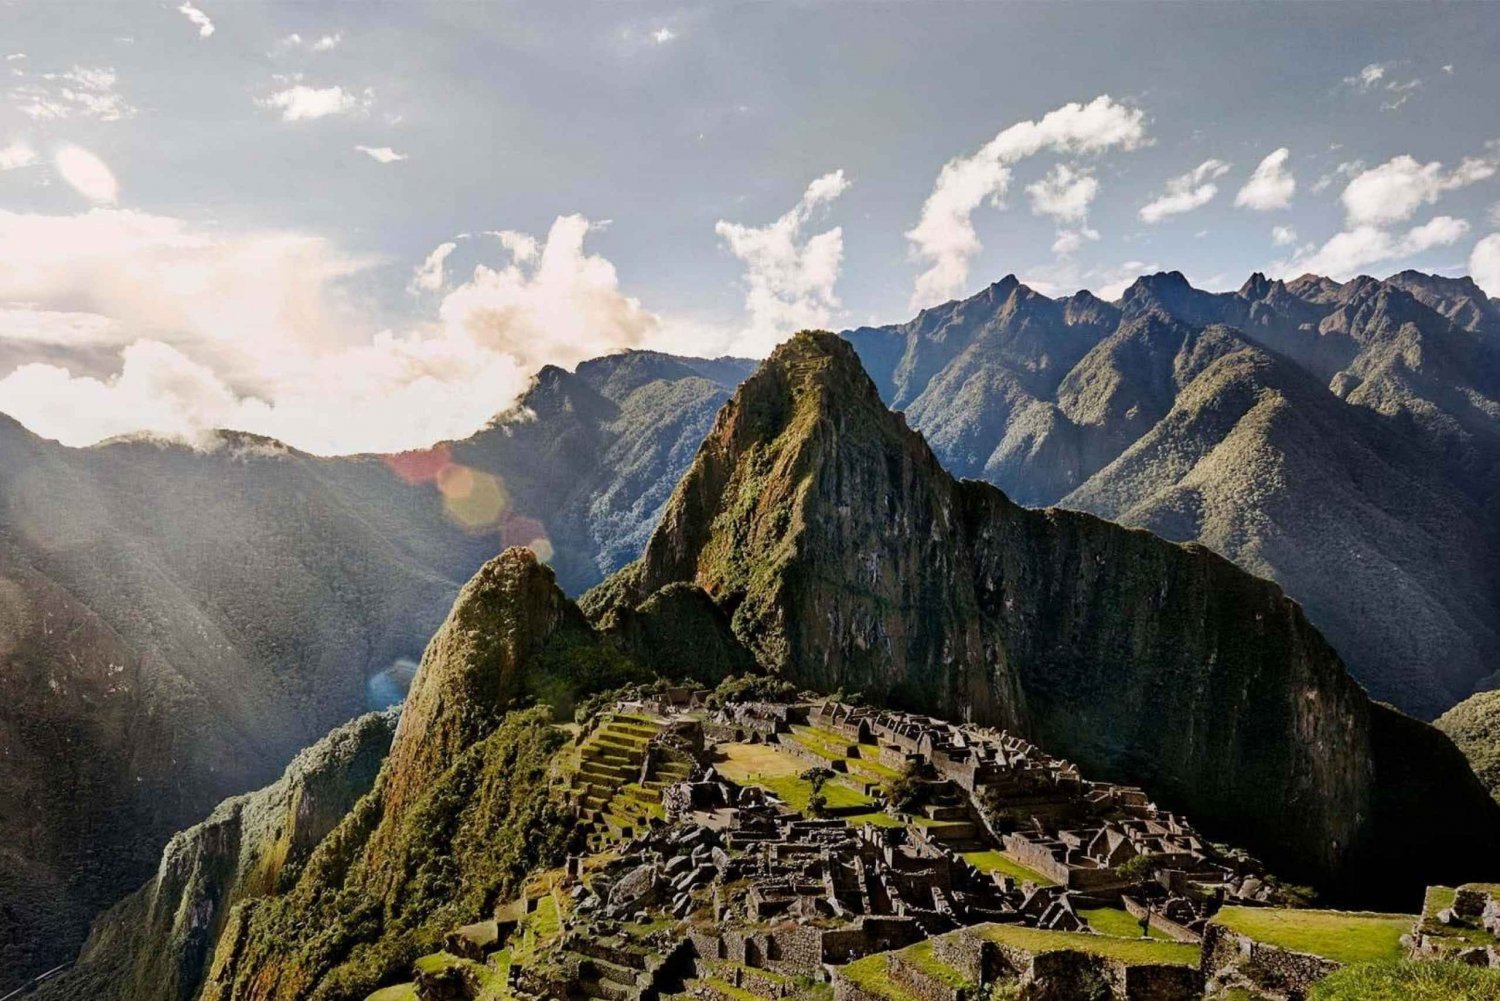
column 364, row 227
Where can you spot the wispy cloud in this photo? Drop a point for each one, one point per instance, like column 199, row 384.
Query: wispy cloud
column 17, row 154
column 1186, row 192
column 789, row 279
column 81, row 92
column 199, row 19
column 1380, row 78
column 663, row 35
column 944, row 238
column 301, row 103
column 431, row 275
column 381, row 154
column 1271, row 185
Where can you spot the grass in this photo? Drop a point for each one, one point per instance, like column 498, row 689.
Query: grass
column 872, row 976
column 1342, row 936
column 779, row 773
column 1114, row 921
column 1131, row 951
column 1409, row 981
column 921, row 956
column 400, row 992
column 879, row 818
column 997, row 861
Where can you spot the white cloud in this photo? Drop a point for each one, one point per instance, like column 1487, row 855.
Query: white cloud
column 1111, row 283
column 1377, row 77
column 1484, row 264
column 522, row 247
column 1270, row 187
column 302, row 103
column 252, row 331
column 1186, row 192
column 1283, row 236
column 789, row 280
column 381, row 154
column 328, row 42
column 431, row 274
column 200, row 20
column 87, row 174
column 1395, row 190
column 1348, row 253
column 944, row 238
column 557, row 304
column 1344, row 171
column 1065, row 193
column 662, row 36
column 80, row 92
column 16, row 155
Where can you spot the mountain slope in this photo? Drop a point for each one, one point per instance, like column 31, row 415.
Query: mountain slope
column 848, row 558
column 176, row 622
column 1340, row 438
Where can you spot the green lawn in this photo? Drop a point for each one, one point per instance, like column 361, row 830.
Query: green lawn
column 921, row 956
column 1342, row 936
column 1114, row 921
column 1409, row 981
column 780, row 773
column 997, row 861
column 400, row 992
column 1133, row 951
column 871, row 975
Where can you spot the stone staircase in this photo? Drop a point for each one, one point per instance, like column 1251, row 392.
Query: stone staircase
column 607, row 788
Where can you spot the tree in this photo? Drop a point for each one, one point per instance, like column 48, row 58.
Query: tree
column 817, row 803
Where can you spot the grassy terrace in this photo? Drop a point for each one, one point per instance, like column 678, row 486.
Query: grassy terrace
column 1114, row 921
column 997, row 861
column 1342, row 936
column 835, row 747
column 779, row 773
column 1133, row 951
column 1460, row 934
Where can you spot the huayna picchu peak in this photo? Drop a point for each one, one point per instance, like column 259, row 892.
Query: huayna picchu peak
column 1082, row 762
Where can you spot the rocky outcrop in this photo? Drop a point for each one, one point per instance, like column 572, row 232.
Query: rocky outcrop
column 157, row 944
column 847, row 558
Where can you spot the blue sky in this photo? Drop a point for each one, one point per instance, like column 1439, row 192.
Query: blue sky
column 219, row 213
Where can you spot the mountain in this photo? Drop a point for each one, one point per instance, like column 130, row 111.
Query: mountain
column 156, row 944
column 847, row 558
column 1341, row 439
column 816, row 534
column 1474, row 727
column 177, row 621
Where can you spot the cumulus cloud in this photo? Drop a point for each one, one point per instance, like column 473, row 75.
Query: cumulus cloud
column 1270, row 186
column 81, row 92
column 16, row 155
column 301, row 103
column 1186, row 192
column 1065, row 193
column 250, row 331
column 944, row 237
column 431, row 274
column 1395, row 190
column 87, row 174
column 661, row 36
column 381, row 154
column 1283, row 236
column 789, row 279
column 1484, row 264
column 1348, row 253
column 557, row 304
column 199, row 19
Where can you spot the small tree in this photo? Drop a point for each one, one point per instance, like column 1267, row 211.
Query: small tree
column 817, row 803
column 1138, row 869
column 908, row 791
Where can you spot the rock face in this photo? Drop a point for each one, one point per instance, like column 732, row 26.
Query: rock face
column 1341, row 439
column 176, row 622
column 847, row 558
column 156, row 944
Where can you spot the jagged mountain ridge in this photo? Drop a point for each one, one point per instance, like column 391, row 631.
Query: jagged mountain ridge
column 176, row 622
column 847, row 558
column 1342, row 439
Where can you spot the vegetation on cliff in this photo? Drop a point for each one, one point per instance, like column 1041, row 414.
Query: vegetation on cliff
column 1474, row 727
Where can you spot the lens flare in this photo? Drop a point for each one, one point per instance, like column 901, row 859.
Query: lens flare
column 475, row 500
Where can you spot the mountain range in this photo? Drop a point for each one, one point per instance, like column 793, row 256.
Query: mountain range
column 816, row 536
column 180, row 620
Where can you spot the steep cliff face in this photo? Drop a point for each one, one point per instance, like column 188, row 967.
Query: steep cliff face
column 156, row 945
column 1342, row 439
column 848, row 558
